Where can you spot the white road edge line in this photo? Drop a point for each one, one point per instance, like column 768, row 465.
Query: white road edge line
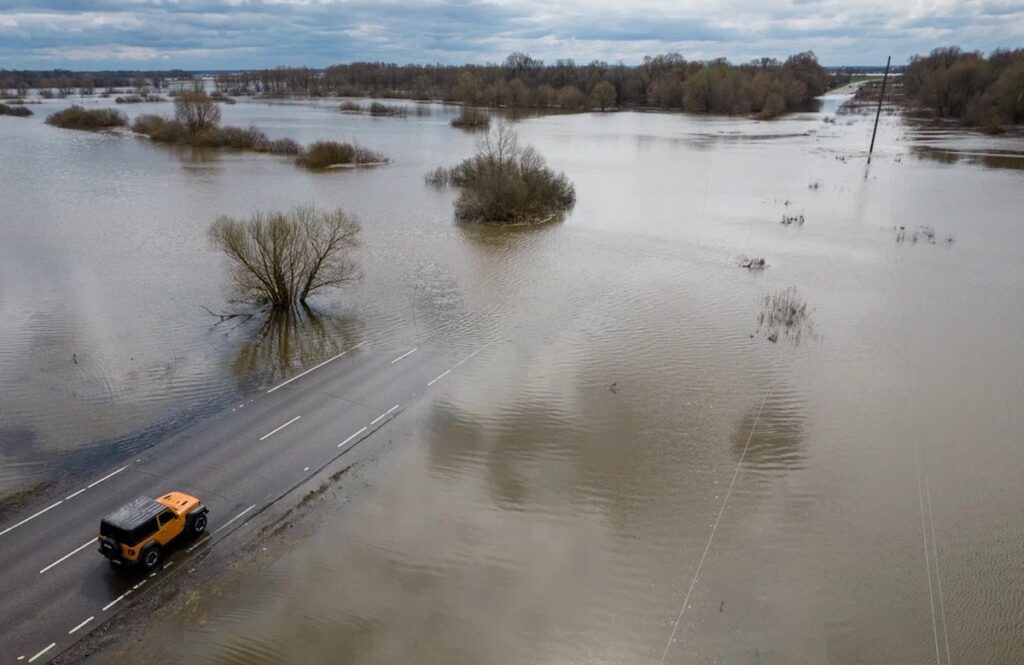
column 42, row 652
column 12, row 528
column 115, row 601
column 226, row 524
column 275, row 431
column 438, row 377
column 74, row 551
column 109, row 475
column 71, row 632
column 299, row 376
column 190, row 548
column 404, row 355
column 381, row 416
column 351, row 437
column 68, row 498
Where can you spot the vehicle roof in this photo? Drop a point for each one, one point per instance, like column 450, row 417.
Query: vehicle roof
column 134, row 513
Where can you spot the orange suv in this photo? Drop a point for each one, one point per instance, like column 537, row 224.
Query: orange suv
column 137, row 532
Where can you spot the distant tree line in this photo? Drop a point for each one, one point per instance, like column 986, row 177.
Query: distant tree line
column 62, row 83
column 951, row 83
column 766, row 86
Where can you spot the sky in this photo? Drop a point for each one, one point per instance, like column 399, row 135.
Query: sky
column 236, row 34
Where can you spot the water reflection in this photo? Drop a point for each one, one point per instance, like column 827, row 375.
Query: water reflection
column 990, row 159
column 279, row 342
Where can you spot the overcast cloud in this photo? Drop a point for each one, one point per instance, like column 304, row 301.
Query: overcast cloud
column 225, row 34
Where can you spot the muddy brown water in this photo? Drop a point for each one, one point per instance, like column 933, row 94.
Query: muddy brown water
column 560, row 498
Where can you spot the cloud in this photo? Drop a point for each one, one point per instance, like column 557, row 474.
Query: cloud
column 257, row 33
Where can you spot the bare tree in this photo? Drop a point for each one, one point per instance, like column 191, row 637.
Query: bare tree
column 196, row 111
column 281, row 259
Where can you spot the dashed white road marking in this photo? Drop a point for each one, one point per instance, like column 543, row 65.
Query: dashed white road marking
column 72, row 496
column 405, row 355
column 226, row 524
column 383, row 415
column 305, row 469
column 115, row 601
column 315, row 367
column 42, row 652
column 351, row 437
column 190, row 548
column 15, row 526
column 72, row 631
column 438, row 377
column 68, row 555
column 275, row 431
column 106, row 477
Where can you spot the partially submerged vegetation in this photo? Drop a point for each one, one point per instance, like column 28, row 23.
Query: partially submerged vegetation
column 139, row 98
column 281, row 259
column 785, row 313
column 792, row 220
column 766, row 86
column 923, row 233
column 333, row 154
column 504, row 183
column 78, row 117
column 950, row 83
column 196, row 124
column 393, row 110
column 19, row 111
column 472, row 118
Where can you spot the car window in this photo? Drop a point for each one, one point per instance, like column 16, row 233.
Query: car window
column 165, row 517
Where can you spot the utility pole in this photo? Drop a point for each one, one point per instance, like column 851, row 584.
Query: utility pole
column 878, row 111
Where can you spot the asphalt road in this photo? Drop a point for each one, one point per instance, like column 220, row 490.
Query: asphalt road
column 57, row 587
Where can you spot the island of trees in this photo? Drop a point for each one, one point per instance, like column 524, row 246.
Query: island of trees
column 505, row 183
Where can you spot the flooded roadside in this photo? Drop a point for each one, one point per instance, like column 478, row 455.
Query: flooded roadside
column 556, row 500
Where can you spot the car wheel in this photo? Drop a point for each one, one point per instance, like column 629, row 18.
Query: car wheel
column 198, row 525
column 151, row 558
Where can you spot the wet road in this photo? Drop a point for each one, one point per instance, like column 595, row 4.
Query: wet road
column 57, row 588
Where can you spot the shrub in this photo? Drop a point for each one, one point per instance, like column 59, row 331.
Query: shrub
column 159, row 128
column 237, row 138
column 77, row 117
column 139, row 99
column 376, row 108
column 19, row 111
column 326, row 154
column 471, row 118
column 222, row 97
column 283, row 147
column 350, row 107
column 439, row 177
column 506, row 184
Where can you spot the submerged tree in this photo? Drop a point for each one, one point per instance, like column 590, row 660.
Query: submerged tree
column 280, row 259
column 196, row 111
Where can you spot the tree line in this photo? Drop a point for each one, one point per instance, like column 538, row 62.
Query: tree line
column 766, row 86
column 63, row 83
column 966, row 85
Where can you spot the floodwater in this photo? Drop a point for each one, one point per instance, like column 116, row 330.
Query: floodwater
column 633, row 472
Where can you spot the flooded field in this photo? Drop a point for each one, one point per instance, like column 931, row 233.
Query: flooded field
column 662, row 456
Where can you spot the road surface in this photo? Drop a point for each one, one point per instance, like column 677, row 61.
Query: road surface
column 57, row 587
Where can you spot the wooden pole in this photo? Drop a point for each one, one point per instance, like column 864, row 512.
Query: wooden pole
column 878, row 111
